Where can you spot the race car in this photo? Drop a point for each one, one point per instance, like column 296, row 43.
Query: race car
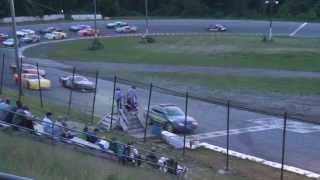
column 126, row 29
column 77, row 82
column 217, row 28
column 171, row 118
column 49, row 30
column 88, row 32
column 116, row 24
column 3, row 36
column 24, row 32
column 31, row 81
column 30, row 39
column 76, row 28
column 55, row 35
column 28, row 69
column 8, row 43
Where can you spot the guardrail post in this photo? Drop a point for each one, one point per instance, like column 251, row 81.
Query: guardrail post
column 228, row 136
column 284, row 134
column 94, row 97
column 2, row 74
column 39, row 84
column 113, row 96
column 185, row 124
column 71, row 91
column 147, row 115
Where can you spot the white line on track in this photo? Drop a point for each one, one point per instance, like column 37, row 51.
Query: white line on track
column 298, row 29
column 232, row 132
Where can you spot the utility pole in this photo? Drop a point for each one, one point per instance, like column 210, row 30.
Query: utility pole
column 270, row 5
column 16, row 48
column 146, row 5
column 95, row 18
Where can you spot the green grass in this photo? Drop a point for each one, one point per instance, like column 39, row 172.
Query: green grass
column 230, row 83
column 26, row 157
column 215, row 50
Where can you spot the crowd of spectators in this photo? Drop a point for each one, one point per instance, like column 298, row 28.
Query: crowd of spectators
column 19, row 117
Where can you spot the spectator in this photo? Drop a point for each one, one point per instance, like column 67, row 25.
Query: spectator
column 4, row 110
column 132, row 98
column 114, row 145
column 12, row 110
column 92, row 136
column 66, row 133
column 119, row 98
column 27, row 119
column 85, row 132
column 47, row 123
column 18, row 114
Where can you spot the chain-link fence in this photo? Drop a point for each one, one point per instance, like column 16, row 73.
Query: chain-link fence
column 187, row 118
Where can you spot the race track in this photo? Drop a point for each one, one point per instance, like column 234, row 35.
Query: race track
column 251, row 133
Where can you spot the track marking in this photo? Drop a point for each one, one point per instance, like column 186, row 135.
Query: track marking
column 232, row 132
column 298, row 29
column 262, row 124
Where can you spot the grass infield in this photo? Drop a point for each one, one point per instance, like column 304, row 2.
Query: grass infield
column 215, row 50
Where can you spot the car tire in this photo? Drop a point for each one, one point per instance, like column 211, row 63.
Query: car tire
column 168, row 127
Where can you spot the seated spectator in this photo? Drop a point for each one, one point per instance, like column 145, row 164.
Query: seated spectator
column 66, row 133
column 26, row 120
column 12, row 111
column 92, row 136
column 5, row 109
column 83, row 135
column 47, row 123
column 18, row 115
column 114, row 145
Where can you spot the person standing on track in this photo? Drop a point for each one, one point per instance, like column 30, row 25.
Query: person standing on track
column 119, row 98
column 132, row 98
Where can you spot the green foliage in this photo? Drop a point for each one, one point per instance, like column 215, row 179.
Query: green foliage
column 96, row 45
column 306, row 9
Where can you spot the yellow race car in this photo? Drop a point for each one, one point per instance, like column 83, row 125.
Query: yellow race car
column 31, row 81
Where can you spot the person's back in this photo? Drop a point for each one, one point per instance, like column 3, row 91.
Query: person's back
column 47, row 123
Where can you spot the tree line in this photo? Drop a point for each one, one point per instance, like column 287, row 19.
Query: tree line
column 297, row 9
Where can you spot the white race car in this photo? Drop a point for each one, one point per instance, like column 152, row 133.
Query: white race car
column 8, row 43
column 116, row 24
column 55, row 35
column 76, row 28
column 126, row 29
column 24, row 32
column 30, row 39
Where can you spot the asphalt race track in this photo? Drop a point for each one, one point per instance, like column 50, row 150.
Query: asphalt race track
column 251, row 133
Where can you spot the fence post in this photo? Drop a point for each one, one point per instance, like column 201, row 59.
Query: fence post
column 147, row 116
column 284, row 133
column 19, row 78
column 113, row 96
column 228, row 136
column 52, row 132
column 185, row 123
column 71, row 91
column 39, row 84
column 2, row 74
column 94, row 97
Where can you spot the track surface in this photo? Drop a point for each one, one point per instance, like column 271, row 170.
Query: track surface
column 252, row 133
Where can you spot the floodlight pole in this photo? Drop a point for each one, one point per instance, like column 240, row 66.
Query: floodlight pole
column 271, row 4
column 95, row 15
column 16, row 48
column 146, row 5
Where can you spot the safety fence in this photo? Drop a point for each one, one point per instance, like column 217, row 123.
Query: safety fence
column 59, row 132
column 221, row 122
